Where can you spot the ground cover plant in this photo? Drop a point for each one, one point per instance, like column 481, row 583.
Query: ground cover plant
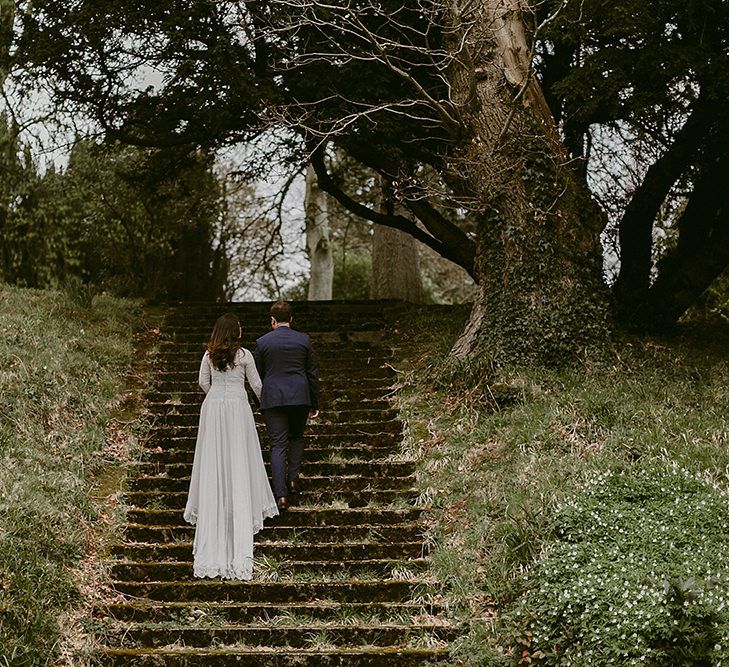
column 62, row 361
column 588, row 502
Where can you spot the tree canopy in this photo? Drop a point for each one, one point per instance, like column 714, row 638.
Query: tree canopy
column 400, row 87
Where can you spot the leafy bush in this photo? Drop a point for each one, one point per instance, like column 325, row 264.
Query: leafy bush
column 637, row 574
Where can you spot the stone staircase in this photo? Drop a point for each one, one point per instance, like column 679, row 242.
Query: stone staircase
column 341, row 578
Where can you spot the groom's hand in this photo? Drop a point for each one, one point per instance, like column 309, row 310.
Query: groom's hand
column 313, row 414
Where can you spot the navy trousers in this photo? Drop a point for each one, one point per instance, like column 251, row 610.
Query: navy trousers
column 285, row 426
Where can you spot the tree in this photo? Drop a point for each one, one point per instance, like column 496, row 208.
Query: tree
column 395, row 260
column 318, row 243
column 439, row 99
column 656, row 77
column 149, row 221
column 136, row 222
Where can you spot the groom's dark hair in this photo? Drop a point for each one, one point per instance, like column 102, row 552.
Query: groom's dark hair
column 281, row 311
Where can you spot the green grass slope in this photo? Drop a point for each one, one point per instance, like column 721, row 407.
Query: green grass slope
column 580, row 516
column 62, row 359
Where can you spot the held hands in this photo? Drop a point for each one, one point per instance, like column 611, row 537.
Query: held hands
column 313, row 414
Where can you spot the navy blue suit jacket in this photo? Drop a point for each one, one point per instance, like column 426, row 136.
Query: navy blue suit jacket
column 285, row 361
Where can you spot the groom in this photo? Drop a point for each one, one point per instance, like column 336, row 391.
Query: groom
column 290, row 395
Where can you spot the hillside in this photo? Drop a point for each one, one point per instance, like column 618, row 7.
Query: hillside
column 590, row 503
column 570, row 516
column 62, row 362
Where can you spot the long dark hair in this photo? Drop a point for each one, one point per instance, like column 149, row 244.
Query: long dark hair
column 224, row 341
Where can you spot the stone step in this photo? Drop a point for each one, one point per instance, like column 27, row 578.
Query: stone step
column 325, row 657
column 186, row 382
column 353, row 373
column 375, row 590
column 299, row 637
column 307, row 500
column 255, row 326
column 337, row 334
column 366, row 329
column 320, row 308
column 381, row 534
column 314, row 454
column 296, row 517
column 143, row 611
column 306, row 317
column 160, row 439
column 333, row 414
column 317, row 331
column 313, row 429
column 329, row 419
column 180, row 571
column 279, row 550
column 327, row 358
column 315, row 474
column 362, row 345
column 334, row 399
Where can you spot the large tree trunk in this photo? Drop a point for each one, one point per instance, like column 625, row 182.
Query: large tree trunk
column 395, row 258
column 395, row 266
column 539, row 264
column 317, row 240
column 702, row 252
column 636, row 226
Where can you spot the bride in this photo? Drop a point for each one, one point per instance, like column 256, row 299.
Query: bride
column 229, row 493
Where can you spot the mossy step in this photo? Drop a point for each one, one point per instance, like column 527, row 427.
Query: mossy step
column 308, row 500
column 335, row 398
column 300, row 308
column 314, row 454
column 327, row 370
column 296, row 517
column 184, row 382
column 377, row 590
column 313, row 429
column 333, row 377
column 278, row 550
column 363, row 346
column 304, row 312
column 143, row 611
column 333, row 413
column 341, row 330
column 326, row 356
column 337, row 364
column 159, row 438
column 191, row 657
column 298, row 637
column 313, row 472
column 173, row 379
column 407, row 532
column 330, row 419
column 180, row 571
column 253, row 319
column 329, row 336
column 160, row 403
column 255, row 326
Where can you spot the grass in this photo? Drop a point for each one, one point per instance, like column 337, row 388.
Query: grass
column 62, row 358
column 499, row 460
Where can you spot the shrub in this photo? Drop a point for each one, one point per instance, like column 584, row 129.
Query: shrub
column 637, row 573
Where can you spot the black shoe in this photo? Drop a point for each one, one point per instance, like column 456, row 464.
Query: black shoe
column 282, row 504
column 294, row 486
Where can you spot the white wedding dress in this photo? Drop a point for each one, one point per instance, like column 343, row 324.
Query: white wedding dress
column 229, row 493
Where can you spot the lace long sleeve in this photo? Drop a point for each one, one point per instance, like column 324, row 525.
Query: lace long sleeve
column 205, row 378
column 254, row 379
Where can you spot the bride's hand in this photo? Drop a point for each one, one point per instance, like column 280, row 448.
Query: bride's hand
column 313, row 414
